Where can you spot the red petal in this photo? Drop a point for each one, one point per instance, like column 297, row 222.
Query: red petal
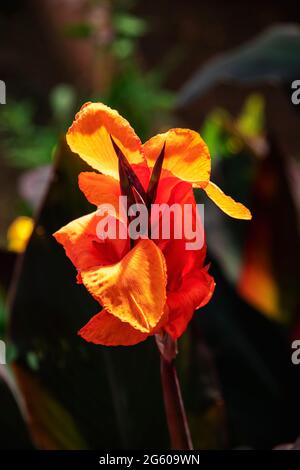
column 84, row 248
column 196, row 290
column 108, row 330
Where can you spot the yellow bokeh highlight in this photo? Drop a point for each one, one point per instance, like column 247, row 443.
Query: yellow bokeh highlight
column 19, row 233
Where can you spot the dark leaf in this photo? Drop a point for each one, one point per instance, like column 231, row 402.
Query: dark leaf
column 51, row 426
column 7, row 265
column 13, row 432
column 155, row 176
column 129, row 173
column 272, row 56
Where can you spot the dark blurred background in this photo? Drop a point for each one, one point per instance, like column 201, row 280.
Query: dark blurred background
column 225, row 70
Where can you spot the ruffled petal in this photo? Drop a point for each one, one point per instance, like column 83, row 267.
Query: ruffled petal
column 89, row 136
column 196, row 290
column 186, row 154
column 226, row 203
column 104, row 192
column 133, row 290
column 108, row 330
column 99, row 189
column 83, row 246
column 180, row 260
column 189, row 285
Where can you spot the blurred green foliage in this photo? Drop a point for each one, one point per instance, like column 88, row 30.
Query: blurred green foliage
column 78, row 30
column 141, row 99
column 129, row 25
column 24, row 143
column 27, row 144
column 225, row 135
column 251, row 120
column 63, row 100
column 214, row 134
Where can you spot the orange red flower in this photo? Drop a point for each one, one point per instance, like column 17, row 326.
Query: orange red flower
column 155, row 285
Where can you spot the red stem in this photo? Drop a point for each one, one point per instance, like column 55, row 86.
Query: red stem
column 179, row 431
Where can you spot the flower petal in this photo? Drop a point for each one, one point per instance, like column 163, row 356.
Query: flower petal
column 181, row 260
column 134, row 290
column 186, row 154
column 84, row 248
column 108, row 330
column 189, row 286
column 226, row 203
column 99, row 189
column 102, row 190
column 196, row 290
column 89, row 136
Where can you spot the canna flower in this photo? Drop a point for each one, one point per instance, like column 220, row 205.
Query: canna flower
column 151, row 286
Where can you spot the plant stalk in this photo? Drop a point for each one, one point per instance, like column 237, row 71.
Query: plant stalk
column 179, row 431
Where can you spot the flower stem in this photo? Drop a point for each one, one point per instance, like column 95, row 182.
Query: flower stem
column 179, row 431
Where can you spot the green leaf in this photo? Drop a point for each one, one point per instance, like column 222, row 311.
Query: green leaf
column 123, row 48
column 214, row 134
column 63, row 101
column 251, row 121
column 129, row 25
column 24, row 143
column 140, row 98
